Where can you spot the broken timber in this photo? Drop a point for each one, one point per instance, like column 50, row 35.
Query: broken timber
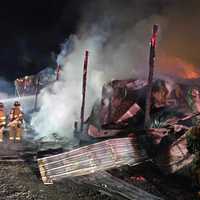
column 176, row 157
column 113, row 186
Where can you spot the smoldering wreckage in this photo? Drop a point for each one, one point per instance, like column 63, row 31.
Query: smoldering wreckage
column 137, row 123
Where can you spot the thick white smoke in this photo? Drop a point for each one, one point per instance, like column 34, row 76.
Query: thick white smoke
column 60, row 103
column 113, row 54
column 6, row 89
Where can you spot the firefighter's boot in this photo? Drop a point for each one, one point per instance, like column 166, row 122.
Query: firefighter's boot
column 1, row 134
column 12, row 134
column 18, row 134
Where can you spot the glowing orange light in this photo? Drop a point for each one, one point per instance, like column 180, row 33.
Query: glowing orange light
column 177, row 67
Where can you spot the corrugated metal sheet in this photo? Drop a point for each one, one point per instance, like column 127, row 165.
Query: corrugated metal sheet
column 92, row 158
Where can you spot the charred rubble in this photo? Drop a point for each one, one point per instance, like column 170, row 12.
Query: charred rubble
column 116, row 123
column 119, row 116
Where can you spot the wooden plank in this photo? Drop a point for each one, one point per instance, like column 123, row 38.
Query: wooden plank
column 104, row 181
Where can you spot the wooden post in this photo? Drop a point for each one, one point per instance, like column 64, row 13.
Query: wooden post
column 150, row 77
column 84, row 88
column 58, row 72
column 36, row 93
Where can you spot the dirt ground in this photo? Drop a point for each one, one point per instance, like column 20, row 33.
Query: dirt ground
column 17, row 182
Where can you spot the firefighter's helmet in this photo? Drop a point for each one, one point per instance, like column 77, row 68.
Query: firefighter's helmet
column 17, row 103
column 1, row 105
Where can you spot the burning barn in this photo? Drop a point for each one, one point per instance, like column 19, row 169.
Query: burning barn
column 120, row 115
column 135, row 122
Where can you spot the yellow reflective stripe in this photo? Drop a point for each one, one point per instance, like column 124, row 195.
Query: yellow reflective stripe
column 17, row 116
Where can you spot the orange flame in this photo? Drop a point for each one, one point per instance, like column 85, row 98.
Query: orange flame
column 178, row 67
column 190, row 72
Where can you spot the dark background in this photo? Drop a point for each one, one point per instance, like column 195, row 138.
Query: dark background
column 31, row 30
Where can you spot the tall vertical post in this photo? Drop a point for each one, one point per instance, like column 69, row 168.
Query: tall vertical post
column 16, row 89
column 150, row 77
column 58, row 72
column 36, row 93
column 85, row 66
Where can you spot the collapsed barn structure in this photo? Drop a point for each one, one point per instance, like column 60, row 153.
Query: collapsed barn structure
column 136, row 121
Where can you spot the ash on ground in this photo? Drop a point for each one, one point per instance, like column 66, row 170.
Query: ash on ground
column 18, row 182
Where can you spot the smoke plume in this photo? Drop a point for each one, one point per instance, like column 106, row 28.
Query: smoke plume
column 116, row 33
column 6, row 89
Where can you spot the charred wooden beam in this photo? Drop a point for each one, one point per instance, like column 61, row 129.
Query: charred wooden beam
column 113, row 186
column 150, row 77
column 85, row 66
column 36, row 93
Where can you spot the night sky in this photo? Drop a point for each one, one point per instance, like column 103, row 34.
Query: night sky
column 31, row 30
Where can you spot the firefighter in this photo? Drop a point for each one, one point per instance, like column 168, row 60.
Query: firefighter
column 2, row 121
column 15, row 122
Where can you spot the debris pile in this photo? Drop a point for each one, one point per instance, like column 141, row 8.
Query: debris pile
column 28, row 85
